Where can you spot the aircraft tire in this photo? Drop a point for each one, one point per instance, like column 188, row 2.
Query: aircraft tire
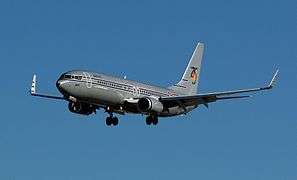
column 115, row 121
column 155, row 120
column 108, row 121
column 148, row 120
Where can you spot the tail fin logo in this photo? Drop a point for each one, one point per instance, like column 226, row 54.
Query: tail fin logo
column 194, row 76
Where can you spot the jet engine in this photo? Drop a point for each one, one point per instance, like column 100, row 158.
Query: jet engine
column 81, row 108
column 148, row 104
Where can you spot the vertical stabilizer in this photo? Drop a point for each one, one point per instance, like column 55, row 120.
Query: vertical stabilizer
column 190, row 80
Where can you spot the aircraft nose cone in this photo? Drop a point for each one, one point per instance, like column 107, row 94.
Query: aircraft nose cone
column 62, row 86
column 59, row 85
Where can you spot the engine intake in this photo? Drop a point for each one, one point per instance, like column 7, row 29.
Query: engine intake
column 148, row 104
column 81, row 108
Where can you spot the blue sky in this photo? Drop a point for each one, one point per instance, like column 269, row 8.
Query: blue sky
column 149, row 41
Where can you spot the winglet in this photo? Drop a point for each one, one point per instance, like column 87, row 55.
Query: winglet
column 273, row 80
column 34, row 93
column 33, row 87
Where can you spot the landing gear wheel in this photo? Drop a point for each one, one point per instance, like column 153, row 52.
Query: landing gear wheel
column 155, row 120
column 148, row 120
column 108, row 121
column 115, row 121
column 112, row 121
column 152, row 120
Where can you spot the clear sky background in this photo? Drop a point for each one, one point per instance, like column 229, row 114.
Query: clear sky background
column 151, row 41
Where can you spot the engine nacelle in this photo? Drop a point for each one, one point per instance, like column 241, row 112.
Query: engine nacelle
column 81, row 108
column 148, row 104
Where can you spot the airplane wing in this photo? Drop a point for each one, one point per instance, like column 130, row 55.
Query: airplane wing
column 34, row 93
column 212, row 97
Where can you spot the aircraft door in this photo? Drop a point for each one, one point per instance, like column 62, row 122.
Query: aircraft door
column 89, row 82
column 136, row 91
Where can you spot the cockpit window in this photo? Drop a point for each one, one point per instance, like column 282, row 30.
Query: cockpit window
column 67, row 76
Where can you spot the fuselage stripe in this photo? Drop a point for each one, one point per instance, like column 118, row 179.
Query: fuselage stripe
column 127, row 88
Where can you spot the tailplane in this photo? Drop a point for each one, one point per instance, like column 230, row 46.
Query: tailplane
column 190, row 80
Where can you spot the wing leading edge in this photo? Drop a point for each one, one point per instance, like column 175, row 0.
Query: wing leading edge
column 212, row 97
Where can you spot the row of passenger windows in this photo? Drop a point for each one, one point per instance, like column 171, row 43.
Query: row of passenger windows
column 115, row 85
column 150, row 92
column 130, row 88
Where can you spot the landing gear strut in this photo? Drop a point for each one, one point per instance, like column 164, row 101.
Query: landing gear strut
column 151, row 119
column 112, row 120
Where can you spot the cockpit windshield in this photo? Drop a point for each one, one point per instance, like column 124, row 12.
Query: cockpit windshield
column 78, row 77
column 71, row 76
column 67, row 76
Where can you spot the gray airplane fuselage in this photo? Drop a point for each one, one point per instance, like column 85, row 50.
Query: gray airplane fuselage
column 87, row 91
column 116, row 93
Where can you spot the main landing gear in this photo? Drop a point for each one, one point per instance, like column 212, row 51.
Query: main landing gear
column 112, row 120
column 152, row 119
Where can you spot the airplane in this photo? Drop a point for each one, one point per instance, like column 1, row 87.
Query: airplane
column 88, row 91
